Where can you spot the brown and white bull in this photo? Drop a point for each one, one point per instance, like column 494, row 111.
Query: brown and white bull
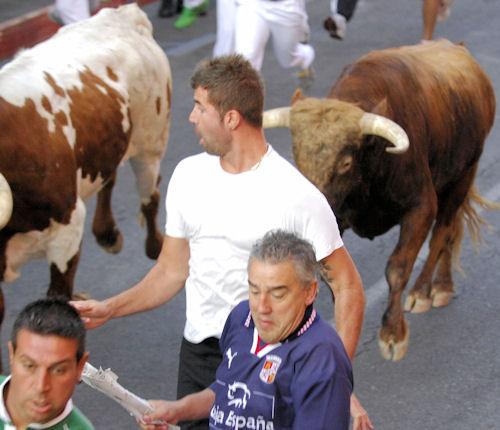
column 443, row 100
column 71, row 110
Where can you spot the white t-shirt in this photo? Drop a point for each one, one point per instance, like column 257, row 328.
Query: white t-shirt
column 223, row 214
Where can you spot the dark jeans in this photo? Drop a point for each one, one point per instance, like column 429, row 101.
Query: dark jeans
column 197, row 365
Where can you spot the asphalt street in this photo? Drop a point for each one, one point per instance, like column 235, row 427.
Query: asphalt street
column 450, row 378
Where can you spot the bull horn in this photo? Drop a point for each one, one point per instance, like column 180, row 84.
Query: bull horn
column 279, row 117
column 378, row 125
column 5, row 202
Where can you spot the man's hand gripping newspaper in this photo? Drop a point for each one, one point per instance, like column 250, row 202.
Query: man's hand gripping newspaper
column 106, row 382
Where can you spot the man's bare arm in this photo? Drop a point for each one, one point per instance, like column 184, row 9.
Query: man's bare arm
column 165, row 279
column 340, row 273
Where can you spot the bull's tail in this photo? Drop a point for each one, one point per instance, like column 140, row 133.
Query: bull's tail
column 6, row 202
column 469, row 215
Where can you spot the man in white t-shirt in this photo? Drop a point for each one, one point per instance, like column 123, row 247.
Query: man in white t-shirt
column 220, row 202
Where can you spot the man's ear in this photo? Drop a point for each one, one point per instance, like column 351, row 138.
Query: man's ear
column 11, row 352
column 232, row 119
column 81, row 364
column 312, row 292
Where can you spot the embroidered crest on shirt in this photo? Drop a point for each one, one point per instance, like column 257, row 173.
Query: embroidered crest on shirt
column 269, row 369
column 230, row 356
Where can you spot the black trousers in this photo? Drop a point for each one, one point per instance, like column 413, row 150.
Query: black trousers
column 198, row 363
column 346, row 8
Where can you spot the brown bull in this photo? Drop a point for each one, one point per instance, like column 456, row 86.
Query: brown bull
column 72, row 109
column 445, row 103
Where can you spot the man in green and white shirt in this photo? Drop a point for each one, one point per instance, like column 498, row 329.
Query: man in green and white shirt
column 47, row 355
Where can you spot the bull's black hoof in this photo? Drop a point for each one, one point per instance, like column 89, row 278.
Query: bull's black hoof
column 111, row 241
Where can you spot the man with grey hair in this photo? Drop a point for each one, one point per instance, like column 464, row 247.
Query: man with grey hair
column 283, row 367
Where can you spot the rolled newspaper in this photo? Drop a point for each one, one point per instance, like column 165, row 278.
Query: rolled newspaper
column 106, row 381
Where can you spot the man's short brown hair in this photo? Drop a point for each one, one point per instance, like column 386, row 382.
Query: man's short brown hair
column 232, row 83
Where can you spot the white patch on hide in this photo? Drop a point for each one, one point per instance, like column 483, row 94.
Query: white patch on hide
column 58, row 243
column 86, row 187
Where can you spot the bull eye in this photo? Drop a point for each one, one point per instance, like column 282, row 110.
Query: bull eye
column 345, row 164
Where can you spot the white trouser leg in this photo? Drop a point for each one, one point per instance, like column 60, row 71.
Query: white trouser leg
column 251, row 33
column 287, row 47
column 285, row 20
column 288, row 22
column 226, row 17
column 72, row 10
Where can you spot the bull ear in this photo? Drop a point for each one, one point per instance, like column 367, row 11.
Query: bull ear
column 297, row 95
column 381, row 108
